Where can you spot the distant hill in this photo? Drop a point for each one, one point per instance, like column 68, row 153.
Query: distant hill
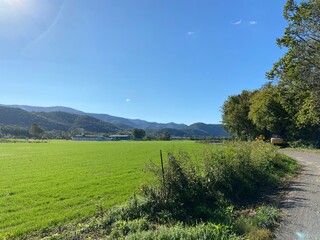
column 62, row 118
column 202, row 129
column 123, row 123
column 47, row 109
column 62, row 121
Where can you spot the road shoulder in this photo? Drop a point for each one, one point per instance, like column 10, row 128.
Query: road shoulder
column 300, row 203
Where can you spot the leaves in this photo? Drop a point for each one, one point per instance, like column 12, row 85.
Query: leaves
column 267, row 112
column 298, row 70
column 235, row 117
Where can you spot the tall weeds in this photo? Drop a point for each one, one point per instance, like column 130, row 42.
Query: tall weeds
column 235, row 174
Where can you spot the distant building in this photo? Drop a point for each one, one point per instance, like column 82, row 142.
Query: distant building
column 119, row 137
column 89, row 138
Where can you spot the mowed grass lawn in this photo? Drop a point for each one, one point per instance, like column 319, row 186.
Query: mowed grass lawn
column 43, row 185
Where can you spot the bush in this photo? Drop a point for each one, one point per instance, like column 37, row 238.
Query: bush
column 234, row 174
column 304, row 144
column 259, row 224
column 181, row 192
column 177, row 232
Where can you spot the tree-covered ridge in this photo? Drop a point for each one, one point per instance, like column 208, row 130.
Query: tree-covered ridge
column 120, row 122
column 196, row 129
column 16, row 122
column 60, row 121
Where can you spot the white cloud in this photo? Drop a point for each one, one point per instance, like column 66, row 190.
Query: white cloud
column 190, row 33
column 237, row 22
column 128, row 100
column 252, row 22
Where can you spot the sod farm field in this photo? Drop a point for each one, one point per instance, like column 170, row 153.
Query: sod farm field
column 43, row 185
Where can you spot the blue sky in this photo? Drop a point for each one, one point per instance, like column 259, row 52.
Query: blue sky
column 165, row 60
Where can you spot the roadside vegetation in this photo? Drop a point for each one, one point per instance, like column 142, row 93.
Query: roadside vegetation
column 213, row 196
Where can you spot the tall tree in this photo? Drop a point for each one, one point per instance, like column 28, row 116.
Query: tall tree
column 138, row 133
column 166, row 136
column 298, row 70
column 36, row 131
column 267, row 112
column 235, row 119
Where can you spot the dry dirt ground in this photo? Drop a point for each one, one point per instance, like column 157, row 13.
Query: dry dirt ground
column 301, row 201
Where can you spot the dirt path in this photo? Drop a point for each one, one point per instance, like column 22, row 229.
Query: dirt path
column 301, row 203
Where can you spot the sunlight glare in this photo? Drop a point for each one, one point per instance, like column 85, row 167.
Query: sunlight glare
column 15, row 4
column 13, row 7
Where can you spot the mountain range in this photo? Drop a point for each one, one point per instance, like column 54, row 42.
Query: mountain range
column 64, row 118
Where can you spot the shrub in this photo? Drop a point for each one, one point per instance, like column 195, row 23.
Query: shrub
column 234, row 174
column 177, row 232
column 259, row 224
column 266, row 217
column 304, row 144
column 181, row 192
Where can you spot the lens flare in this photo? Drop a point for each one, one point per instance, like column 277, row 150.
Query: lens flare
column 23, row 22
column 14, row 4
column 12, row 7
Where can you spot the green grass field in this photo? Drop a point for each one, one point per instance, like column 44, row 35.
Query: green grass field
column 43, row 185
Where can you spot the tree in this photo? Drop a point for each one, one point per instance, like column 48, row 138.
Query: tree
column 235, row 119
column 14, row 131
column 267, row 112
column 166, row 136
column 36, row 131
column 138, row 133
column 298, row 71
column 76, row 131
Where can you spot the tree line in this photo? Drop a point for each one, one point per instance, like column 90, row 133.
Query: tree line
column 289, row 105
column 38, row 132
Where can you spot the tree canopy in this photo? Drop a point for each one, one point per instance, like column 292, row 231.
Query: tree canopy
column 166, row 136
column 36, row 131
column 138, row 133
column 298, row 71
column 235, row 115
column 291, row 104
column 267, row 112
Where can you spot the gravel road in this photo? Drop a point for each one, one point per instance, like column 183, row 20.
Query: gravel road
column 301, row 201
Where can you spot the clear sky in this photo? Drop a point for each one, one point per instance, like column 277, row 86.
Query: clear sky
column 157, row 60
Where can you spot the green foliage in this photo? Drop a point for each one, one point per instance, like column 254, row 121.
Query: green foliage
column 303, row 144
column 267, row 112
column 53, row 121
column 138, row 133
column 36, row 131
column 292, row 106
column 177, row 232
column 267, row 116
column 91, row 124
column 180, row 192
column 299, row 69
column 233, row 174
column 166, row 136
column 63, row 124
column 196, row 129
column 14, row 131
column 145, row 230
column 265, row 217
column 259, row 223
column 235, row 116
